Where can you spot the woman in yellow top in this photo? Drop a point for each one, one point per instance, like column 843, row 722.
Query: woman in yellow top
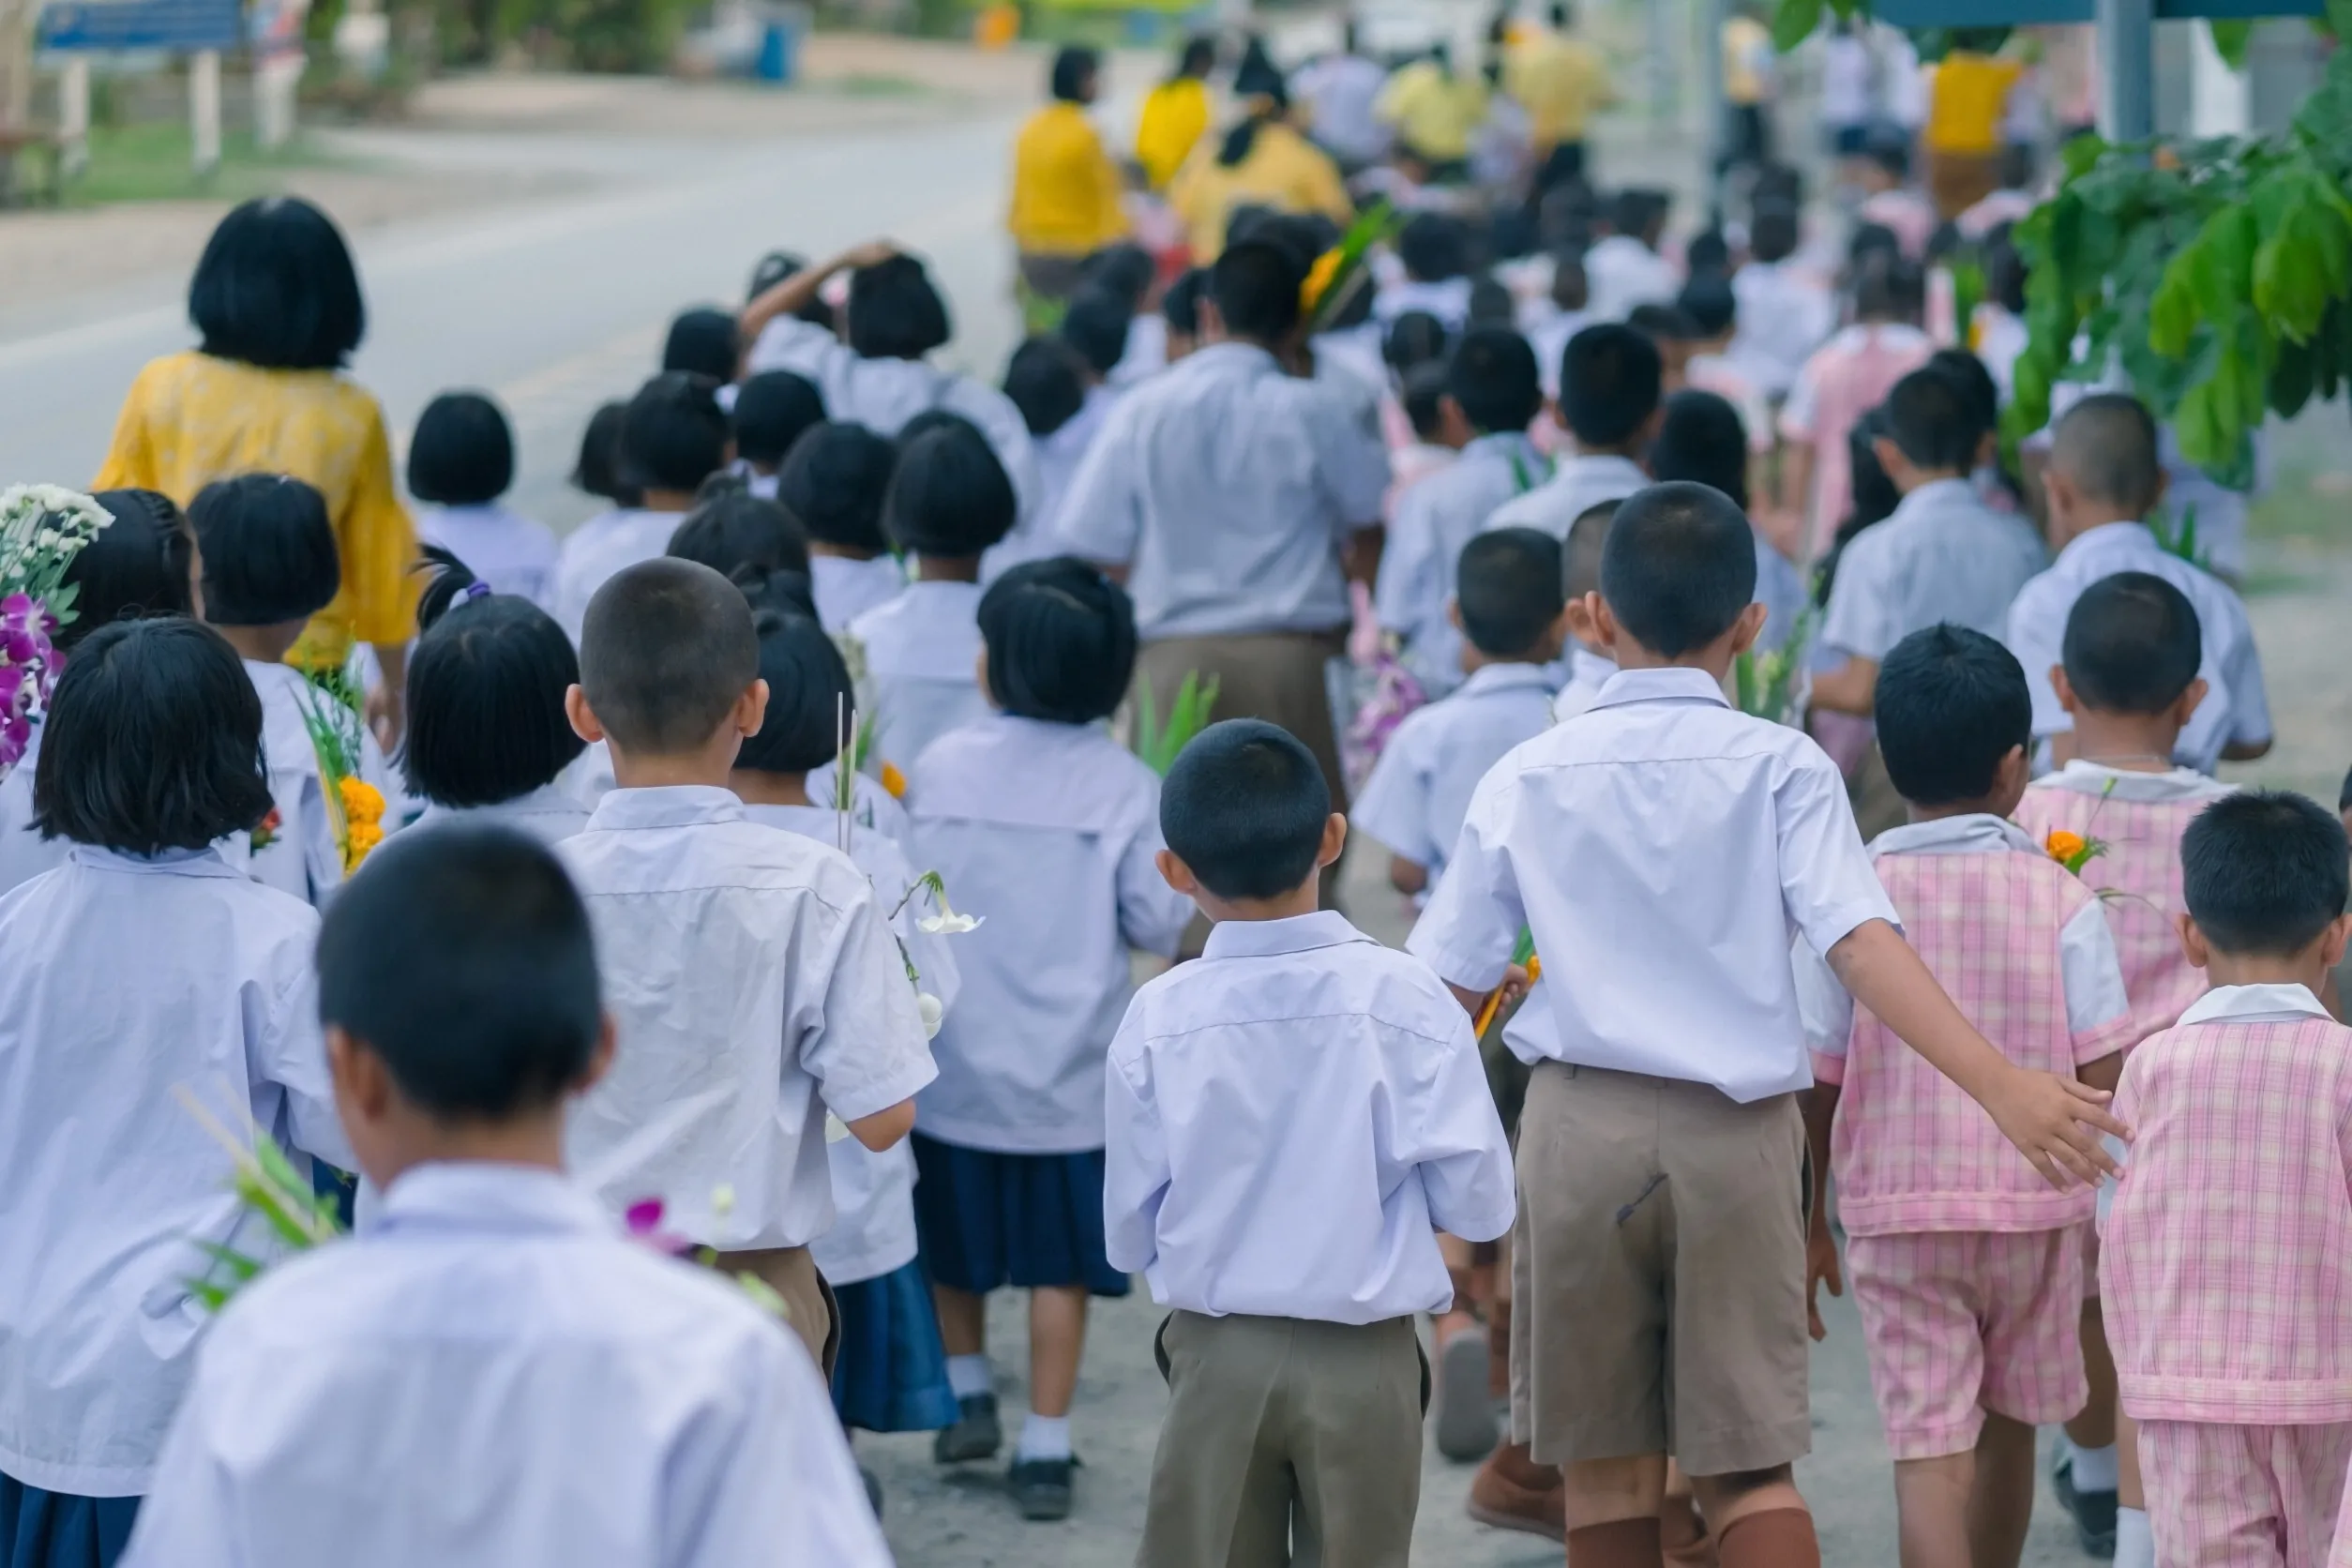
column 1261, row 162
column 1065, row 190
column 1435, row 111
column 1175, row 114
column 1966, row 101
column 277, row 308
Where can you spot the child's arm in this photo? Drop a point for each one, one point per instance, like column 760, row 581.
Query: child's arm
column 1457, row 1144
column 1822, row 1265
column 1152, row 916
column 796, row 292
column 1135, row 1170
column 1852, row 688
column 1409, row 877
column 1828, row 1012
column 854, row 1017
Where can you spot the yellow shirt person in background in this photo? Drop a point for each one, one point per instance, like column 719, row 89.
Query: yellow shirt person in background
column 1262, row 161
column 1175, row 114
column 1560, row 79
column 1966, row 97
column 1065, row 188
column 1435, row 111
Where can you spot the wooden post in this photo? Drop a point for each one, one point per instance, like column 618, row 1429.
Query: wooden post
column 73, row 116
column 2127, row 68
column 203, row 109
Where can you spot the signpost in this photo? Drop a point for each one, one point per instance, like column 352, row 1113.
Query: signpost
column 199, row 29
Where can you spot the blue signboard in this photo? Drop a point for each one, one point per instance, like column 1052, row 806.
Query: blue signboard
column 2006, row 13
column 97, row 26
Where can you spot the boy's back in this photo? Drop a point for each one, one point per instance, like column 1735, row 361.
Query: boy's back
column 492, row 1376
column 1421, row 787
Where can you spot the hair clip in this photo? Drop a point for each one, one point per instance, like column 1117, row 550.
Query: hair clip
column 472, row 590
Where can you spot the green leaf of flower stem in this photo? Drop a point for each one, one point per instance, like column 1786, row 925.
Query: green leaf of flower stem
column 2339, row 19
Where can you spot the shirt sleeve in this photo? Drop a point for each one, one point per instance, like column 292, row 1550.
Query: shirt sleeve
column 1860, row 618
column 130, row 459
column 1395, row 805
column 191, row 1512
column 291, row 1052
column 1152, row 916
column 1401, row 590
column 1456, row 1144
column 2035, row 619
column 1100, row 515
column 1826, row 877
column 1803, row 407
column 378, row 542
column 1135, row 1171
column 2098, row 1013
column 789, row 344
column 864, row 1040
column 1352, row 457
column 2249, row 698
column 1475, row 917
column 1825, row 1009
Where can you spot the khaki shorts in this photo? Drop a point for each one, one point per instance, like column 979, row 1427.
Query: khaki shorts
column 1658, row 1268
column 791, row 1273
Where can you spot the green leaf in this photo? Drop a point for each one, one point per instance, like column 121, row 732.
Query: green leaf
column 2197, row 425
column 1793, row 21
column 2172, row 312
column 2082, row 154
column 2230, row 37
column 2291, row 375
column 2339, row 19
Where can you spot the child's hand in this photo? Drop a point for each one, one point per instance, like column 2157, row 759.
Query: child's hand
column 872, row 254
column 1821, row 1267
column 2056, row 1123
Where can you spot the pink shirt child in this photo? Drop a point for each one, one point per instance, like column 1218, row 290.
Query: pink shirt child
column 1846, row 377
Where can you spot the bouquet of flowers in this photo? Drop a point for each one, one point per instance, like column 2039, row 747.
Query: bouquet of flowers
column 1157, row 744
column 43, row 528
column 1772, row 685
column 354, row 807
column 1338, row 273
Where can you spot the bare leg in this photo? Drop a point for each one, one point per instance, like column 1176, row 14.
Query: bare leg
column 2129, row 1492
column 1057, row 1337
column 2000, row 1504
column 2095, row 1427
column 963, row 1321
column 1931, row 1499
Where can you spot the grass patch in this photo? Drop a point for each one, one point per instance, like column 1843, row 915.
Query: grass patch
column 152, row 164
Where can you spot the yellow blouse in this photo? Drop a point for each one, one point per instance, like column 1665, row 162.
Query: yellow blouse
column 1283, row 171
column 1175, row 114
column 191, row 420
column 1065, row 188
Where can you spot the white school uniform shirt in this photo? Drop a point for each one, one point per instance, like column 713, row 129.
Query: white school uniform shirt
column 123, row 980
column 1433, row 520
column 2237, row 705
column 884, row 394
column 2090, row 975
column 301, row 859
column 1146, row 352
column 1580, row 482
column 873, row 1194
column 23, row 852
column 1782, row 593
column 1421, row 787
column 549, row 813
column 1663, row 849
column 1059, row 454
column 1228, row 486
column 755, row 986
column 513, row 553
column 1047, row 832
column 1620, row 274
column 845, row 589
column 1292, row 1116
column 1587, row 673
column 1943, row 556
column 491, row 1377
column 1548, row 337
column 599, row 550
column 922, row 662
column 1446, row 298
column 1341, row 91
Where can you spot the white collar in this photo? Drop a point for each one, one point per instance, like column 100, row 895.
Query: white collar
column 1976, row 833
column 1600, row 465
column 479, row 1195
column 1673, row 683
column 1491, row 678
column 2085, row 777
column 1267, row 939
column 2270, row 1003
column 207, row 862
column 664, row 806
column 1937, row 493
column 1587, row 667
column 1241, row 355
column 2125, row 533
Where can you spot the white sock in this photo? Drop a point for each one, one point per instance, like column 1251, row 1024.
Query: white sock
column 2095, row 1469
column 1044, row 1436
column 968, row 1377
column 2134, row 1547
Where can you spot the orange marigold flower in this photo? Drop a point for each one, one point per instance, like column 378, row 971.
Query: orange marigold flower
column 362, row 802
column 1318, row 280
column 893, row 780
column 2063, row 845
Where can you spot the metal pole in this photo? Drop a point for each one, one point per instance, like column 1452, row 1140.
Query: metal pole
column 1715, row 125
column 1661, row 62
column 2127, row 68
column 203, row 109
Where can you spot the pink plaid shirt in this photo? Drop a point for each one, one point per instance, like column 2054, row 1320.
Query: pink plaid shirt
column 2141, row 816
column 2227, row 1263
column 1846, row 377
column 2023, row 948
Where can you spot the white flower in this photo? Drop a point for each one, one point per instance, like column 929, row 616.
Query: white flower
column 722, row 1199
column 948, row 923
column 932, row 1011
column 836, row 1129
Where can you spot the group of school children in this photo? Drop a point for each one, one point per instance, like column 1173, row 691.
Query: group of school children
column 771, row 888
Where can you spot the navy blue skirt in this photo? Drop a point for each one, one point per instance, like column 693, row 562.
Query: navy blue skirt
column 56, row 1530
column 891, row 1374
column 989, row 1220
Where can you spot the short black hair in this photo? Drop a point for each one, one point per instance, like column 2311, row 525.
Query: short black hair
column 742, row 538
column 1199, row 56
column 1870, row 242
column 1124, row 268
column 269, row 550
column 1774, row 230
column 1421, row 392
column 1061, row 641
column 808, row 692
column 2262, row 872
column 1179, row 307
column 665, row 650
column 276, row 288
column 2004, row 270
column 674, row 435
column 1890, row 288
column 462, row 958
column 1889, row 146
column 1414, row 338
column 703, row 341
column 1509, row 590
column 949, row 498
column 2132, row 644
column 1661, row 323
column 1491, row 305
column 1702, row 440
column 2343, row 793
column 1572, row 289
column 598, row 471
column 1951, row 704
column 485, row 685
column 1580, row 553
column 1641, row 212
column 1042, row 380
column 1434, row 247
column 773, row 410
column 1708, row 304
column 153, row 742
column 773, row 269
column 1493, row 376
column 1609, row 380
column 2106, row 446
column 834, row 481
column 1707, row 254
column 463, row 453
column 1074, row 67
column 1095, row 325
column 894, row 311
column 1679, row 566
column 137, row 566
column 1967, row 372
column 1256, row 285
column 1932, row 421
column 1243, row 806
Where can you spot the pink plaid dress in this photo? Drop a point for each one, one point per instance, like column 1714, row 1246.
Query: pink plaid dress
column 1846, row 377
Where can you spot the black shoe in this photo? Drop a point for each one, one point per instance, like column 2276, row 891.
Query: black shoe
column 1041, row 1488
column 873, row 1489
column 2093, row 1512
column 976, row 1435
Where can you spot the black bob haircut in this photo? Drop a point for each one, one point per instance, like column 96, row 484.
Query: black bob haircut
column 485, row 685
column 1701, row 440
column 2262, row 872
column 2132, row 644
column 1042, row 380
column 598, row 471
column 674, row 435
column 1076, row 68
column 511, row 1014
column 1179, row 307
column 1255, row 287
column 137, row 566
column 269, row 550
column 275, row 289
column 1493, row 376
column 1434, row 247
column 702, row 342
column 1061, row 641
column 1422, row 392
column 1609, row 380
column 1708, row 304
column 742, row 538
column 894, row 311
column 1679, row 566
column 1122, row 268
column 834, row 481
column 1950, row 704
column 1933, row 420
column 153, row 742
column 775, row 266
column 665, row 650
column 463, row 453
column 1095, row 325
column 1509, row 590
column 773, row 410
column 1414, row 338
column 950, row 497
column 808, row 691
column 1245, row 806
